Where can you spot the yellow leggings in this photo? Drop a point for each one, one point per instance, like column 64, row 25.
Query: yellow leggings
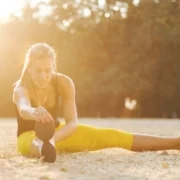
column 85, row 138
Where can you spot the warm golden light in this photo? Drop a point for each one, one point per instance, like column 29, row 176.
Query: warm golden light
column 9, row 7
column 14, row 7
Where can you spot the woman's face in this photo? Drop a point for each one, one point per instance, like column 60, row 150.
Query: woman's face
column 41, row 71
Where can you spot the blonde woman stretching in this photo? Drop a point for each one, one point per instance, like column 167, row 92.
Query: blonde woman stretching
column 36, row 96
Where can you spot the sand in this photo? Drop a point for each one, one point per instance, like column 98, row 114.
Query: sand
column 106, row 164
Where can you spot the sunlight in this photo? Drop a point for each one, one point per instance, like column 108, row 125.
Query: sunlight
column 102, row 4
column 44, row 10
column 136, row 2
column 85, row 12
column 34, row 3
column 14, row 7
column 9, row 7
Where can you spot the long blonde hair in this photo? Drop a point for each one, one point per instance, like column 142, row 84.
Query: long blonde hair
column 35, row 52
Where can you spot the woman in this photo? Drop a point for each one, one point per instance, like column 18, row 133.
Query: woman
column 36, row 96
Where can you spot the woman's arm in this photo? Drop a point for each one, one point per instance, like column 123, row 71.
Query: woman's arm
column 26, row 111
column 21, row 99
column 69, row 107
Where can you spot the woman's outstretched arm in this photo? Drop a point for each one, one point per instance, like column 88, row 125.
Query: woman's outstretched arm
column 26, row 111
column 69, row 108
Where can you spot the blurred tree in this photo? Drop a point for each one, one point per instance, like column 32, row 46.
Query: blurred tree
column 111, row 49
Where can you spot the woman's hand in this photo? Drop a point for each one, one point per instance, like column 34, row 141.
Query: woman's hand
column 42, row 115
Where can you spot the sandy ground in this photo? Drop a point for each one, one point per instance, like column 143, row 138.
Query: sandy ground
column 106, row 164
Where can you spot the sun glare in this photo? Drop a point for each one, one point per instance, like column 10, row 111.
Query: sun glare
column 8, row 7
column 14, row 7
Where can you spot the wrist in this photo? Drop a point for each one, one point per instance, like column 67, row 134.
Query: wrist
column 32, row 112
column 27, row 113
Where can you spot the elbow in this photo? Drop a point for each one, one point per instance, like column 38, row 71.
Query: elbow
column 22, row 113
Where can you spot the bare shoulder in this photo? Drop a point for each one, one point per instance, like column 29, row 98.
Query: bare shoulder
column 64, row 80
column 66, row 84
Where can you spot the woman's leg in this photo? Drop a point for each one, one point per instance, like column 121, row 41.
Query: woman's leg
column 153, row 143
column 91, row 138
